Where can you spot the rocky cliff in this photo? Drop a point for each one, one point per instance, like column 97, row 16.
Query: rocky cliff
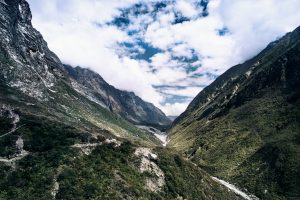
column 126, row 104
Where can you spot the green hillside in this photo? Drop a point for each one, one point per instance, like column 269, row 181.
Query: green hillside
column 245, row 127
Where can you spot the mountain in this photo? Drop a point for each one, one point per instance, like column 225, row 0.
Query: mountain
column 27, row 49
column 32, row 74
column 126, row 104
column 172, row 118
column 245, row 126
column 56, row 142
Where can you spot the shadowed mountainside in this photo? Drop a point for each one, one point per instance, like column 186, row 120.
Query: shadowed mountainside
column 245, row 126
column 126, row 104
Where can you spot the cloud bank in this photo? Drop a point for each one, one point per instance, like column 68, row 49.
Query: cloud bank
column 164, row 51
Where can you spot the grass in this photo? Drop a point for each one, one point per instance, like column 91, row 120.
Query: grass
column 250, row 138
column 255, row 146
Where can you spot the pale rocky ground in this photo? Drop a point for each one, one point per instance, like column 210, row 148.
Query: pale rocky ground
column 146, row 156
column 87, row 148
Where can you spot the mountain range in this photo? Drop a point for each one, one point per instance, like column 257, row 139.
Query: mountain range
column 67, row 134
column 126, row 104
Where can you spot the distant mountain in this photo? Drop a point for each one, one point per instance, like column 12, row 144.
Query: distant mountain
column 245, row 126
column 126, row 104
column 59, row 142
column 172, row 118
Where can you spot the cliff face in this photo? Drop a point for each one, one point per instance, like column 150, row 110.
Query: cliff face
column 33, row 79
column 30, row 67
column 126, row 104
column 245, row 126
column 26, row 62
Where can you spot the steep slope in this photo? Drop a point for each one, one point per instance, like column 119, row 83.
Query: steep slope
column 57, row 144
column 45, row 159
column 245, row 126
column 29, row 67
column 126, row 104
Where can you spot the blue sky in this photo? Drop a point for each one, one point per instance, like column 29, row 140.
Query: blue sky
column 164, row 51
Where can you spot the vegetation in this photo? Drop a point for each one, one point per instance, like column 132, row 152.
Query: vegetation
column 5, row 124
column 109, row 172
column 187, row 181
column 8, row 145
column 245, row 128
column 32, row 176
column 260, row 153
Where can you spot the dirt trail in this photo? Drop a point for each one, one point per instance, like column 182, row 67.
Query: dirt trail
column 15, row 117
column 20, row 152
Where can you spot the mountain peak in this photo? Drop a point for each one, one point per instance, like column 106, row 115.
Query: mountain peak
column 25, row 13
column 124, row 103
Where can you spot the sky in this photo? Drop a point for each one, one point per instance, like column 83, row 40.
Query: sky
column 167, row 51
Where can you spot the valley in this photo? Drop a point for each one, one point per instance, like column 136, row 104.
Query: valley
column 65, row 133
column 162, row 136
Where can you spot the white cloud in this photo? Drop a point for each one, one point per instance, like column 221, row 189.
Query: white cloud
column 160, row 59
column 187, row 92
column 186, row 8
column 76, row 31
column 174, row 109
column 254, row 25
column 165, row 73
column 78, row 40
column 182, row 50
column 159, row 36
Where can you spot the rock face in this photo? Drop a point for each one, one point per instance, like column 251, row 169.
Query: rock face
column 126, row 104
column 27, row 65
column 245, row 126
column 26, row 62
column 33, row 79
column 156, row 182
